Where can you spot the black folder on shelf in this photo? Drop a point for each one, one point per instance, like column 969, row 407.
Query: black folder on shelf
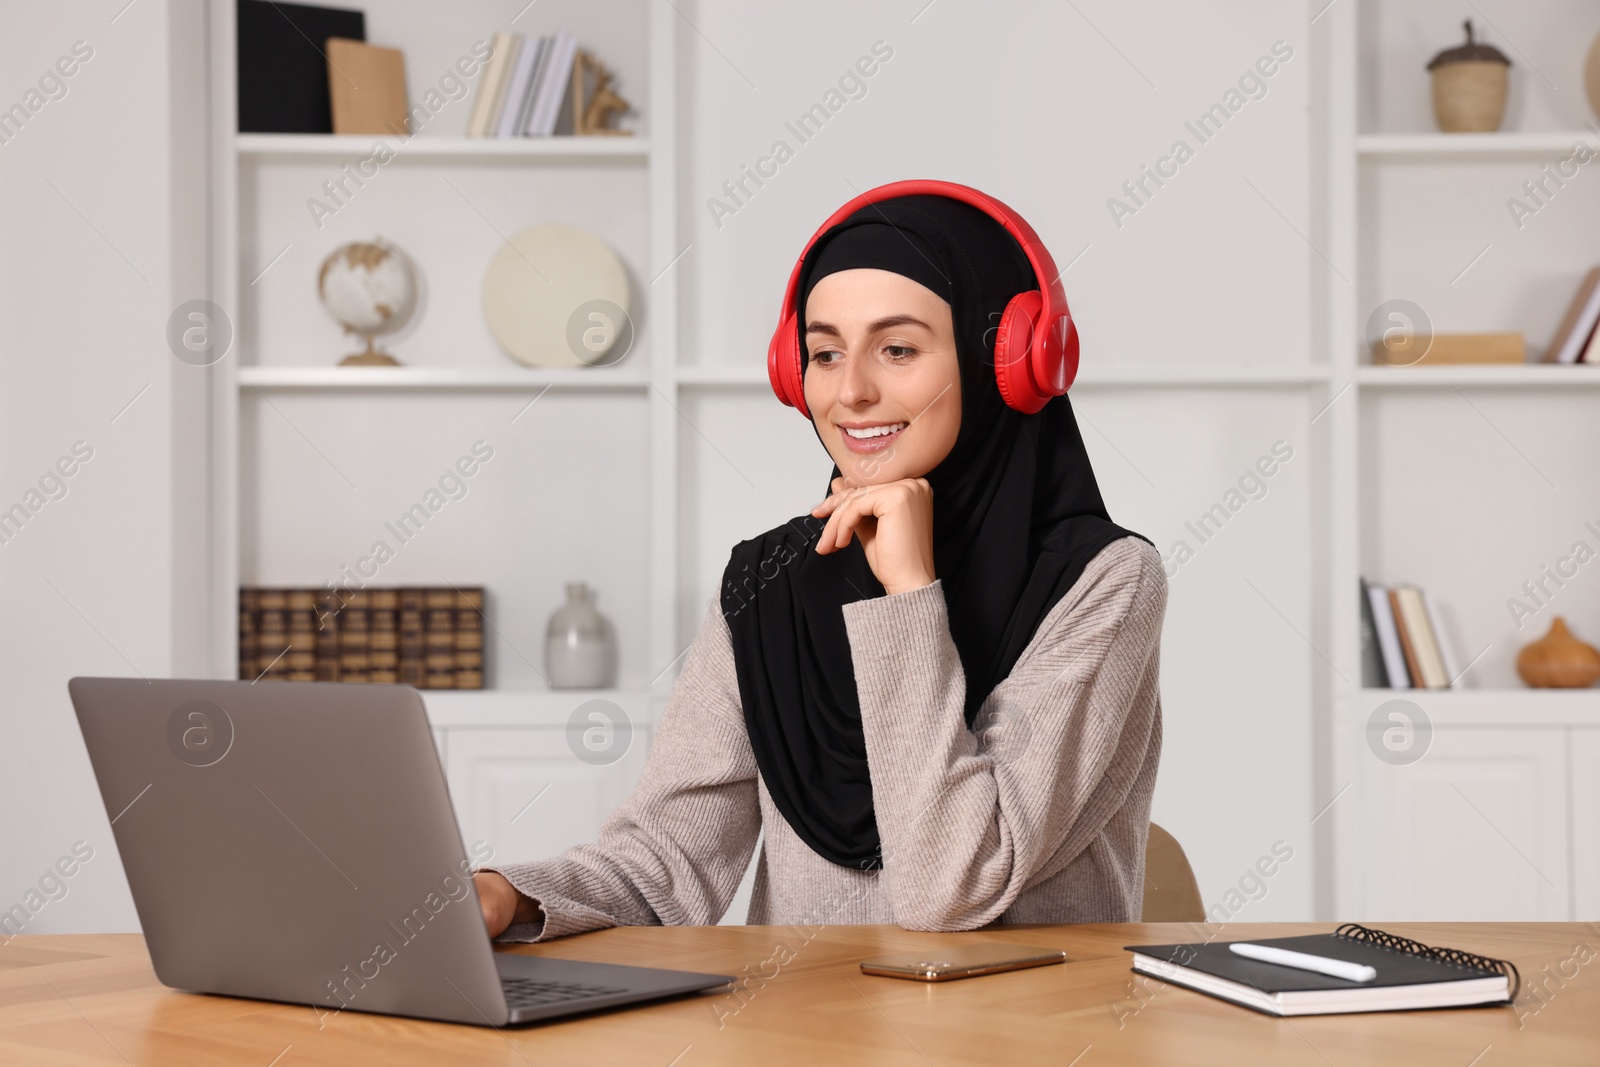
column 1410, row 974
column 283, row 64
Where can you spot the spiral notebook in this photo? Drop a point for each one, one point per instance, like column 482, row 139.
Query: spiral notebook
column 1410, row 974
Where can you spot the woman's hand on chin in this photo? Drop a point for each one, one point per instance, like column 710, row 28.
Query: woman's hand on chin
column 894, row 521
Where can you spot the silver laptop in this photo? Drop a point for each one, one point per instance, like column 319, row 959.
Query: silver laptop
column 295, row 841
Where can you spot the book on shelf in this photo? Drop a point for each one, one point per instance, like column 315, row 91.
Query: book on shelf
column 526, row 121
column 512, row 110
column 1591, row 350
column 1408, row 644
column 1403, row 641
column 502, row 84
column 367, row 88
column 551, row 88
column 489, row 85
column 524, row 85
column 1453, row 349
column 1373, row 673
column 430, row 637
column 1574, row 335
column 1388, row 638
column 1418, row 630
column 541, row 63
column 1447, row 654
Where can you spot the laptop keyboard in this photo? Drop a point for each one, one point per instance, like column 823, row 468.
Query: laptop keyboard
column 532, row 993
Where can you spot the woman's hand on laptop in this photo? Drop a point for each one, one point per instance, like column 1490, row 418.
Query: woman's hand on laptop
column 502, row 903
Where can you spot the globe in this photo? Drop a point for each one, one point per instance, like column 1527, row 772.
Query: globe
column 370, row 288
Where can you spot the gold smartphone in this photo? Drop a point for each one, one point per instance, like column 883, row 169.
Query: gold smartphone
column 962, row 961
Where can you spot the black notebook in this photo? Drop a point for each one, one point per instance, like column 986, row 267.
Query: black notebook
column 1410, row 974
column 283, row 64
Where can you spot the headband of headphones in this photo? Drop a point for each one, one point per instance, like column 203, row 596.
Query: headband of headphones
column 1036, row 345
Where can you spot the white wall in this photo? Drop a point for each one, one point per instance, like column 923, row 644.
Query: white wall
column 101, row 236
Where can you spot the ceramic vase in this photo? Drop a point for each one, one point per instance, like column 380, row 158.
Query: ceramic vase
column 580, row 646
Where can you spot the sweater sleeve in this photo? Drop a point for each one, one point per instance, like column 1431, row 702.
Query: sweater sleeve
column 967, row 824
column 675, row 851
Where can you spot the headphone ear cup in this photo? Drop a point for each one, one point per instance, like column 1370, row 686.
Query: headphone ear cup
column 1060, row 366
column 783, row 366
column 1014, row 347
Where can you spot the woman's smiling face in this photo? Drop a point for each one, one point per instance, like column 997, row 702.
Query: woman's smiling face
column 883, row 382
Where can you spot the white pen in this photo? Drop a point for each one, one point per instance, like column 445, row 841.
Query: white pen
column 1355, row 972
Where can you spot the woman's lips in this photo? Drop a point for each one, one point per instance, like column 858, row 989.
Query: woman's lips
column 868, row 445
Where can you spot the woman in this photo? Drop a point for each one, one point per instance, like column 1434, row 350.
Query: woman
column 935, row 699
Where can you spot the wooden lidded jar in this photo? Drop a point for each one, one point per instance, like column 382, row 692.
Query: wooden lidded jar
column 1469, row 86
column 1559, row 660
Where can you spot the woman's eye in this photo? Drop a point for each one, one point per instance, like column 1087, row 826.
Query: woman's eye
column 898, row 353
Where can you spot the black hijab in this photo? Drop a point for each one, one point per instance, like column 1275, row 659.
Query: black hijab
column 1017, row 516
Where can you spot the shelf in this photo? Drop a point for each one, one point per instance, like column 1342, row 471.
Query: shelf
column 1221, row 374
column 514, row 378
column 1450, row 146
column 358, row 146
column 543, row 708
column 1518, row 375
column 724, row 377
column 506, row 379
column 1494, row 707
column 1155, row 375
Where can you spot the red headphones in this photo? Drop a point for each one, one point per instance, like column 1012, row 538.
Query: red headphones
column 1035, row 348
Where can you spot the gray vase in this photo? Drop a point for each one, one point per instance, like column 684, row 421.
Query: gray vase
column 580, row 650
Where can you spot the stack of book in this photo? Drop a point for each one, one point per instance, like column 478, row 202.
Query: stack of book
column 1403, row 645
column 430, row 637
column 523, row 86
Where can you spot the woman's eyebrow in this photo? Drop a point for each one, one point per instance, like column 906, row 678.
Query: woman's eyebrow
column 872, row 327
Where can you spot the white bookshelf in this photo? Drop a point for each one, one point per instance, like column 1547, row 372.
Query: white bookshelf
column 1497, row 709
column 509, row 379
column 309, row 456
column 252, row 146
column 1155, row 375
column 1503, row 144
column 624, row 181
column 1457, row 478
column 1508, row 376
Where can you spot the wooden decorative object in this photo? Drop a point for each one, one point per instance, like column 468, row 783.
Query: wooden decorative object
column 1558, row 660
column 1591, row 77
column 367, row 88
column 1469, row 86
column 1453, row 348
column 369, row 357
column 590, row 117
column 547, row 291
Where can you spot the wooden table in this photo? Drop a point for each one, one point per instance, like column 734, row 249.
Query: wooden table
column 93, row 999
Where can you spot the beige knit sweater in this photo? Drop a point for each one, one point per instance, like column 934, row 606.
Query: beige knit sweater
column 1039, row 813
